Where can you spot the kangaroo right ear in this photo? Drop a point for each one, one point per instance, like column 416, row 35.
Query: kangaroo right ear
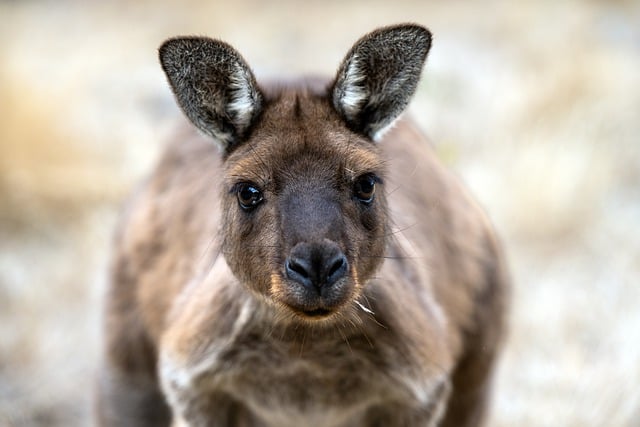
column 214, row 87
column 378, row 77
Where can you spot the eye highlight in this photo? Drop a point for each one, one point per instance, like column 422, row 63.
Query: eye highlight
column 364, row 188
column 249, row 196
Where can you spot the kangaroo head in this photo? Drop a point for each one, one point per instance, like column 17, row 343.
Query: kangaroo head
column 303, row 200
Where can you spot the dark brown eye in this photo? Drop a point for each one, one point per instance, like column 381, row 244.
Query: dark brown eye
column 364, row 188
column 249, row 196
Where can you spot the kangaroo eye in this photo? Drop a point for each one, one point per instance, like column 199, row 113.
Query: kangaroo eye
column 249, row 196
column 364, row 188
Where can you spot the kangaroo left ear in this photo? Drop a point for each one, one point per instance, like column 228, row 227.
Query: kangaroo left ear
column 379, row 76
column 214, row 86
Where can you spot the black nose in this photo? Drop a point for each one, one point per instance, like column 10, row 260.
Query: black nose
column 316, row 265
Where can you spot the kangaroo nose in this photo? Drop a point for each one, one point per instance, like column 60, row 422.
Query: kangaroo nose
column 316, row 266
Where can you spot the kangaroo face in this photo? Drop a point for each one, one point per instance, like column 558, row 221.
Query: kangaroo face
column 304, row 209
column 303, row 201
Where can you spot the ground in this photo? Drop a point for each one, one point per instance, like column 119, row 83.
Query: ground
column 536, row 104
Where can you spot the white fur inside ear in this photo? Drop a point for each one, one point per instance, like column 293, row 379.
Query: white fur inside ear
column 244, row 98
column 380, row 133
column 353, row 95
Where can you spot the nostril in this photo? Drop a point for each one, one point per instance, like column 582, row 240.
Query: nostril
column 299, row 270
column 337, row 268
column 297, row 267
column 337, row 265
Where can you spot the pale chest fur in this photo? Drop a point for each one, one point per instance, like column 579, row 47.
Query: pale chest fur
column 317, row 379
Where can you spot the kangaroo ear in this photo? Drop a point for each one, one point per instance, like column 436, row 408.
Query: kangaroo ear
column 214, row 87
column 378, row 77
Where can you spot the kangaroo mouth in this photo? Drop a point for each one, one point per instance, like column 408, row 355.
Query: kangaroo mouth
column 311, row 309
column 317, row 313
column 312, row 303
column 314, row 307
column 318, row 308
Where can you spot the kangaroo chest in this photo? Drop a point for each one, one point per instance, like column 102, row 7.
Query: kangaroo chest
column 302, row 382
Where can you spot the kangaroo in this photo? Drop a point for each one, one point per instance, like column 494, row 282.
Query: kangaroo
column 306, row 262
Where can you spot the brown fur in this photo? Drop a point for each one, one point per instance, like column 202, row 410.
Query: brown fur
column 206, row 326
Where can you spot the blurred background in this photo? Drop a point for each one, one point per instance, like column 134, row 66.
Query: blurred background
column 536, row 104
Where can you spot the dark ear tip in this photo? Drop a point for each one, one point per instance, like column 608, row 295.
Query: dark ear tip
column 165, row 46
column 425, row 33
column 168, row 48
column 175, row 47
column 413, row 28
column 416, row 32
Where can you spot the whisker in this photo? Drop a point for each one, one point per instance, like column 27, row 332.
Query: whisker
column 262, row 246
column 302, row 341
column 366, row 298
column 206, row 249
column 365, row 309
column 391, row 191
column 344, row 337
column 370, row 313
column 389, row 257
column 360, row 328
column 400, row 230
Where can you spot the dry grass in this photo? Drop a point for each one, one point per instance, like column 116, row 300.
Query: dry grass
column 535, row 104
